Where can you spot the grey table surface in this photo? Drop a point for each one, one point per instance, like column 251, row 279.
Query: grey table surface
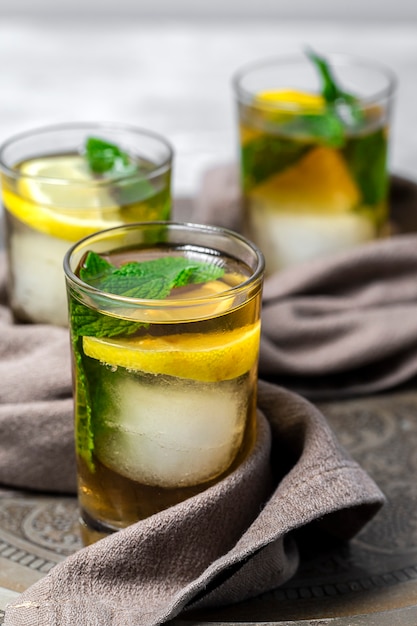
column 174, row 77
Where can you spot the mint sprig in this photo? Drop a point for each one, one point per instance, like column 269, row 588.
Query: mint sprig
column 330, row 90
column 343, row 108
column 154, row 279
column 107, row 159
column 268, row 155
column 104, row 157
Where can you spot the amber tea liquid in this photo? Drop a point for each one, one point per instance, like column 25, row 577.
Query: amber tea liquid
column 163, row 413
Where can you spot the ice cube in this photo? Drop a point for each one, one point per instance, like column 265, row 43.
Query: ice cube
column 38, row 276
column 288, row 238
column 177, row 434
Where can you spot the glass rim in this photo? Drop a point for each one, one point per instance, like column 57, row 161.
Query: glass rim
column 251, row 280
column 68, row 126
column 335, row 60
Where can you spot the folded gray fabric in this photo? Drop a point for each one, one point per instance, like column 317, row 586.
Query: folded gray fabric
column 337, row 326
column 36, row 408
column 229, row 543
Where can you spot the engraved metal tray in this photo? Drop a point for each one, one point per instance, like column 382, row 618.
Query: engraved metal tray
column 368, row 580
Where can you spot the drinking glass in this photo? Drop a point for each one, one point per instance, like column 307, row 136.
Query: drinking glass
column 313, row 154
column 61, row 183
column 165, row 324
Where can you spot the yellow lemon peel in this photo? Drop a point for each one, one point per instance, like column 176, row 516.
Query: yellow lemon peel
column 203, row 357
column 292, row 97
column 279, row 107
column 53, row 222
column 45, row 203
column 319, row 182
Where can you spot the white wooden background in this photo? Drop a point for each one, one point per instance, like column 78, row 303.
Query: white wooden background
column 172, row 75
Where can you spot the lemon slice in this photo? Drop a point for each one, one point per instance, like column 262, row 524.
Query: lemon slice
column 320, row 182
column 47, row 180
column 53, row 197
column 311, row 101
column 278, row 106
column 203, row 357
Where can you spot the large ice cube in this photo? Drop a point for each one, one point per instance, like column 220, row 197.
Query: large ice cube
column 176, row 434
column 289, row 238
column 38, row 276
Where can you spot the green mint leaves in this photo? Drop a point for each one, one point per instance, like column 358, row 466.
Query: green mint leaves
column 342, row 108
column 330, row 91
column 89, row 322
column 154, row 279
column 107, row 159
column 341, row 111
column 367, row 159
column 104, row 157
column 266, row 156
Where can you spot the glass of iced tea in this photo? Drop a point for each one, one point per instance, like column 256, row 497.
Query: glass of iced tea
column 313, row 154
column 165, row 326
column 61, row 183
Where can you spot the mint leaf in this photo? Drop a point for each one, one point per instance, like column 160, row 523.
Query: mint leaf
column 366, row 156
column 326, row 128
column 103, row 157
column 346, row 104
column 87, row 321
column 330, row 90
column 84, row 440
column 343, row 109
column 94, row 268
column 268, row 155
column 154, row 279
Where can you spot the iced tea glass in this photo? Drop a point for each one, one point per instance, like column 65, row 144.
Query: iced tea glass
column 165, row 325
column 61, row 183
column 313, row 154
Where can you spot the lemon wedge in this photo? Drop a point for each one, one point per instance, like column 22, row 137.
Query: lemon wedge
column 57, row 196
column 293, row 98
column 202, row 357
column 319, row 182
column 278, row 106
column 48, row 180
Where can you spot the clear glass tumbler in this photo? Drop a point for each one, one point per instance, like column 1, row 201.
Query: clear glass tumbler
column 165, row 327
column 63, row 182
column 313, row 154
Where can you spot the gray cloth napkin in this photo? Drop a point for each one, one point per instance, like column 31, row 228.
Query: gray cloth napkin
column 229, row 543
column 36, row 408
column 334, row 327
